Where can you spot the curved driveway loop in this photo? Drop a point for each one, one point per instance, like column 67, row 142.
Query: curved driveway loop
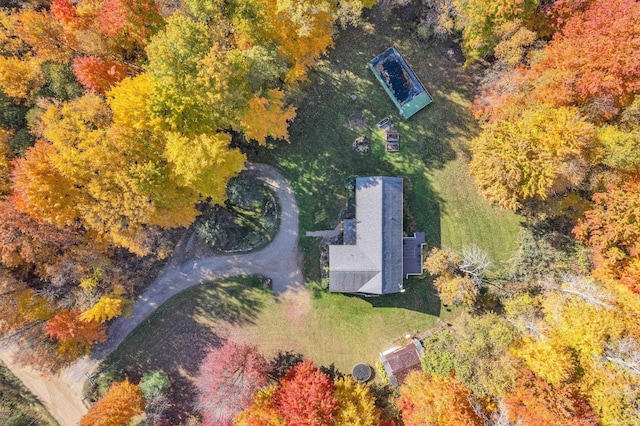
column 62, row 394
column 278, row 261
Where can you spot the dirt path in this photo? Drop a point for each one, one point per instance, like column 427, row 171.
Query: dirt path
column 62, row 394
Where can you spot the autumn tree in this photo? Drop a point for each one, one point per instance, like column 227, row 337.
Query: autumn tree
column 455, row 287
column 481, row 351
column 267, row 117
column 131, row 20
column 108, row 307
column 262, row 411
column 64, row 11
column 118, row 406
column 592, row 62
column 302, row 29
column 20, row 78
column 480, row 21
column 306, row 396
column 426, row 399
column 535, row 151
column 31, row 247
column 97, row 74
column 549, row 359
column 611, row 230
column 67, row 179
column 356, row 404
column 612, row 392
column 229, row 376
column 43, row 34
column 535, row 402
column 74, row 335
column 195, row 158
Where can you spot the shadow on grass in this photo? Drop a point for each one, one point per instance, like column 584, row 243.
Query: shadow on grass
column 177, row 336
column 319, row 156
column 420, row 295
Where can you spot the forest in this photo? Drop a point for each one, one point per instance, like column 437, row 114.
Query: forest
column 120, row 120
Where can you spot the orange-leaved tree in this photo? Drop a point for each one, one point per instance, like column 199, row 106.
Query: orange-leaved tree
column 117, row 407
column 267, row 116
column 534, row 402
column 97, row 74
column 594, row 60
column 306, row 396
column 74, row 335
column 427, row 399
column 612, row 230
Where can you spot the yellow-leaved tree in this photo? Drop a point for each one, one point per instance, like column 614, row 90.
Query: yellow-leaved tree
column 204, row 162
column 109, row 306
column 548, row 358
column 20, row 78
column 357, row 407
column 531, row 152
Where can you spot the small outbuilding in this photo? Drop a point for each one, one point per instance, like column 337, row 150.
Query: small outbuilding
column 399, row 362
column 400, row 82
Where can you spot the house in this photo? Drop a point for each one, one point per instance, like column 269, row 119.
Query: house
column 375, row 257
column 399, row 362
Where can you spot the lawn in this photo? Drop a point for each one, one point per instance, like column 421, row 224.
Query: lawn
column 330, row 329
column 433, row 150
column 18, row 406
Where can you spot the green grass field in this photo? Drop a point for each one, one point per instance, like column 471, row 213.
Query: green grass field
column 433, row 149
column 328, row 328
column 18, row 406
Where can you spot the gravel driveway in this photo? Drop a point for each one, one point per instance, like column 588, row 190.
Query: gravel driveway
column 62, row 394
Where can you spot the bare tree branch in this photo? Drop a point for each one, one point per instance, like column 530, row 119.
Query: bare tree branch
column 625, row 353
column 583, row 288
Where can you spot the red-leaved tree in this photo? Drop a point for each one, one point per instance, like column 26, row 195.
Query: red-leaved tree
column 229, row 376
column 134, row 19
column 306, row 396
column 64, row 11
column 97, row 74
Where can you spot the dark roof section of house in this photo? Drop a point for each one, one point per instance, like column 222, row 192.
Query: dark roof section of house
column 412, row 254
column 373, row 265
column 399, row 362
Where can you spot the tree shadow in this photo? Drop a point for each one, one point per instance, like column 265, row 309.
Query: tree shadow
column 179, row 334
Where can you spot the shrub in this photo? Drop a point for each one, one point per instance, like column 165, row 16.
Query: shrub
column 245, row 191
column 154, row 383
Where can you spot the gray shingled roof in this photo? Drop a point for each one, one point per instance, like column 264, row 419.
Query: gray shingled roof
column 374, row 264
